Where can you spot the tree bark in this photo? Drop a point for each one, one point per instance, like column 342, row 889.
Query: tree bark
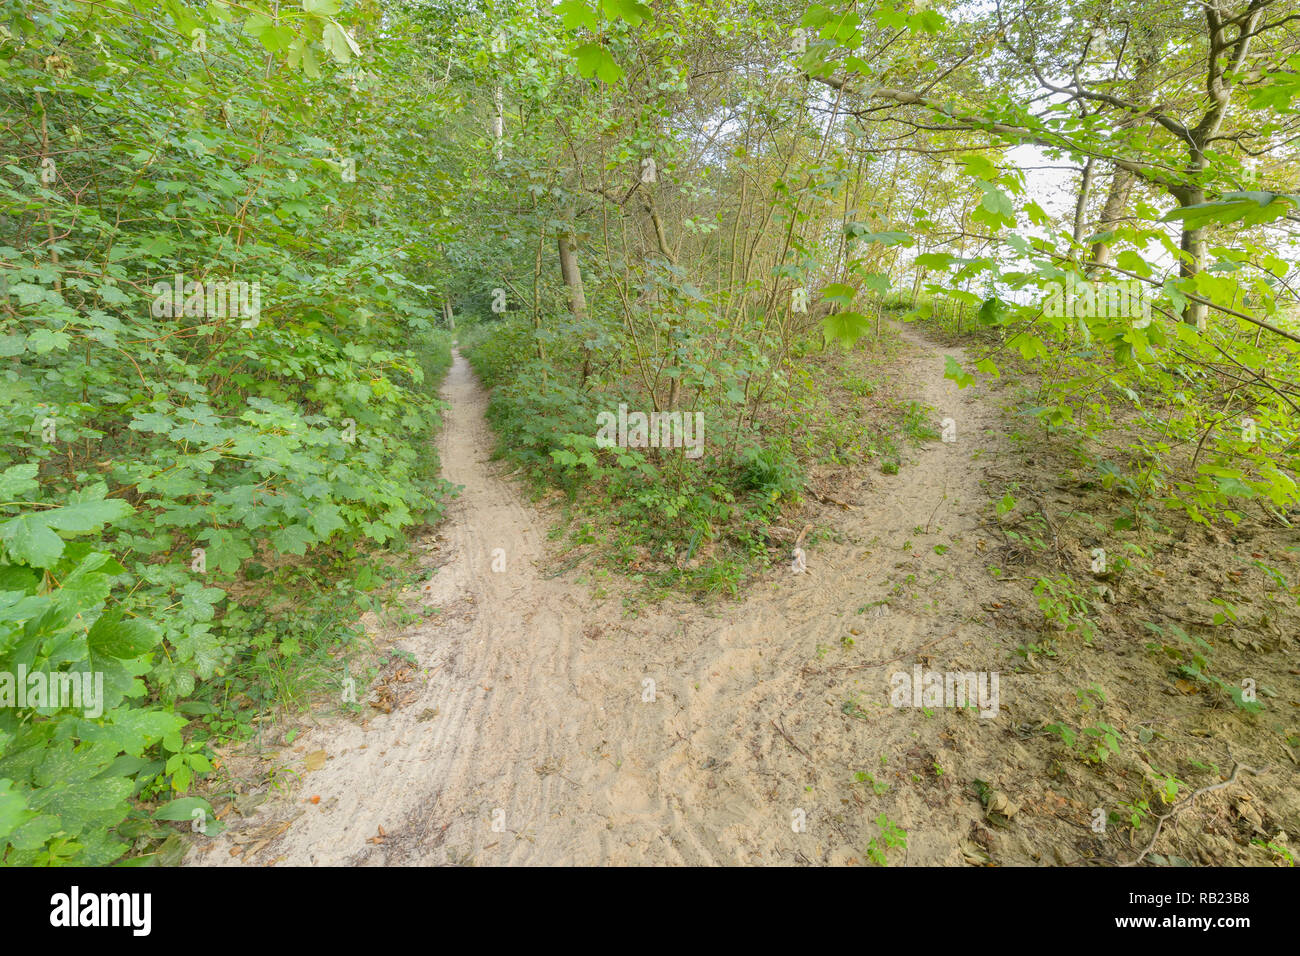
column 572, row 275
column 1121, row 187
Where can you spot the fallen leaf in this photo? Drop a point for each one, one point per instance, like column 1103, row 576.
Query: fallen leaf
column 314, row 760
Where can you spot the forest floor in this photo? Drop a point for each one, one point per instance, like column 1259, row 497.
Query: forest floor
column 529, row 720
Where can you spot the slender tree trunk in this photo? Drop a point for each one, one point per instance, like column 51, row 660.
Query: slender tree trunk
column 1192, row 261
column 1121, row 187
column 1081, row 206
column 498, row 121
column 572, row 275
column 537, row 301
column 1147, row 43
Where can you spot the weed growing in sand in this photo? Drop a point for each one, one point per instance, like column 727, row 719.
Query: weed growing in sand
column 1065, row 608
column 1093, row 745
column 877, row 786
column 891, row 836
column 1192, row 659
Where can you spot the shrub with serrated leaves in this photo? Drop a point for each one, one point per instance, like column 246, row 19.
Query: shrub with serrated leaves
column 161, row 475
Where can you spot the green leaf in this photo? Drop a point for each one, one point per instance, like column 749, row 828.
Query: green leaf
column 839, row 293
column 1248, row 208
column 846, row 327
column 595, row 60
column 183, row 809
column 13, row 810
column 113, row 636
column 89, row 511
column 954, row 371
column 575, row 13
column 633, row 11
column 935, row 260
column 292, row 539
column 46, row 340
column 29, row 540
column 861, row 233
column 17, row 480
column 337, row 41
column 1130, row 260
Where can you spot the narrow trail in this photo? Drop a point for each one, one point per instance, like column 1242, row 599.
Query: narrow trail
column 531, row 739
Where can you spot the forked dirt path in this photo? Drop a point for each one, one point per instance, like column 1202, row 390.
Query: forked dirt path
column 533, row 735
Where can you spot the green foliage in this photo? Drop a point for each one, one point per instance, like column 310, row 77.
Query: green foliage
column 171, row 470
column 771, row 471
column 1091, row 744
column 1192, row 657
column 891, row 835
column 662, row 503
column 195, row 495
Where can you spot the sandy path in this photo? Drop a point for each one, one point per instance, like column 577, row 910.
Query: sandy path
column 544, row 749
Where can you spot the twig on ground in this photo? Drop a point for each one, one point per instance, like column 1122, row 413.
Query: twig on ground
column 788, row 739
column 1191, row 799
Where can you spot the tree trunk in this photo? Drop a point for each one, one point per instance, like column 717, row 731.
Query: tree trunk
column 1121, row 187
column 1147, row 42
column 1081, row 205
column 1192, row 261
column 498, row 121
column 572, row 276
